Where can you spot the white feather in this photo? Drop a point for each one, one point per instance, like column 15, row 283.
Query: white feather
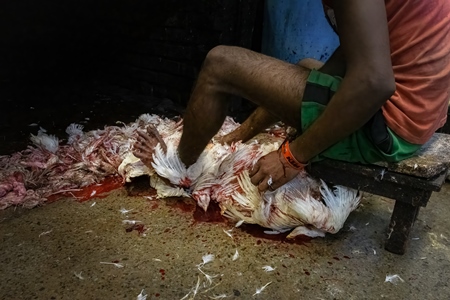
column 169, row 165
column 45, row 141
column 164, row 191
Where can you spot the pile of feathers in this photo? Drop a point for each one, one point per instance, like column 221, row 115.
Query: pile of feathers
column 303, row 206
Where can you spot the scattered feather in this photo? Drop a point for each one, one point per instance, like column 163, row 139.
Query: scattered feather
column 45, row 141
column 186, row 296
column 236, row 255
column 125, row 211
column 394, row 279
column 218, row 296
column 258, row 291
column 268, row 268
column 389, row 233
column 117, row 265
column 239, row 223
column 131, row 222
column 45, row 232
column 93, row 204
column 210, row 288
column 273, row 232
column 207, row 258
column 78, row 275
column 193, row 291
column 142, row 296
column 228, row 232
column 208, row 277
column 157, row 259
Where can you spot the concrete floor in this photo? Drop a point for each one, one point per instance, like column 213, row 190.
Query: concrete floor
column 58, row 252
column 67, row 249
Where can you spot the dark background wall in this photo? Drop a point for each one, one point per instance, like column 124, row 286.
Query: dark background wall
column 152, row 46
column 96, row 62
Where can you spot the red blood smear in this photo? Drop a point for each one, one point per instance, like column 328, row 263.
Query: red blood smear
column 157, row 295
column 98, row 190
column 212, row 214
column 163, row 274
column 140, row 228
column 183, row 204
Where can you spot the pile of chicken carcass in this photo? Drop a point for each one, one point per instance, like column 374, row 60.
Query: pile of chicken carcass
column 304, row 205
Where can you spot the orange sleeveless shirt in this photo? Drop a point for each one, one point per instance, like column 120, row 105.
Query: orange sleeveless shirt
column 419, row 35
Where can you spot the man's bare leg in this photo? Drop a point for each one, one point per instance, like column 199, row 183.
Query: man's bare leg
column 261, row 119
column 272, row 84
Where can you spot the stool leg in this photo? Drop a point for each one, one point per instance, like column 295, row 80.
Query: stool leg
column 402, row 220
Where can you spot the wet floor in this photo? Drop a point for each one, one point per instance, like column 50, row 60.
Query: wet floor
column 130, row 243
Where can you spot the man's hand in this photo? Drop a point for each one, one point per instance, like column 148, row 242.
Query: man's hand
column 270, row 172
column 230, row 138
column 145, row 143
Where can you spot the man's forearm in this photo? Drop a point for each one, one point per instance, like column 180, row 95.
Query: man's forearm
column 259, row 120
column 335, row 65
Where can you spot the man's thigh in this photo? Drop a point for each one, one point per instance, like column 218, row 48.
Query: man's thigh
column 274, row 84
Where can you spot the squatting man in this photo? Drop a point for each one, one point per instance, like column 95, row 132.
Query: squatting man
column 380, row 96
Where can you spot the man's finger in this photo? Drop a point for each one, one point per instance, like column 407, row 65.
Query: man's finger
column 256, row 178
column 140, row 147
column 254, row 170
column 263, row 186
column 138, row 154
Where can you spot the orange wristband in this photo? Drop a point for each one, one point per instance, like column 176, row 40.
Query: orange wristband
column 292, row 161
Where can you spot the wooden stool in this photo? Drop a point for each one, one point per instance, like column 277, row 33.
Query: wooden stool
column 410, row 183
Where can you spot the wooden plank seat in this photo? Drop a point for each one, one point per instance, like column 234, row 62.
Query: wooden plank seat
column 409, row 183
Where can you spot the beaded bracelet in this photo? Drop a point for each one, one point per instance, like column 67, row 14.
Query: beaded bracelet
column 289, row 157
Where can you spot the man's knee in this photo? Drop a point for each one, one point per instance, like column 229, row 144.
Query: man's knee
column 217, row 56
